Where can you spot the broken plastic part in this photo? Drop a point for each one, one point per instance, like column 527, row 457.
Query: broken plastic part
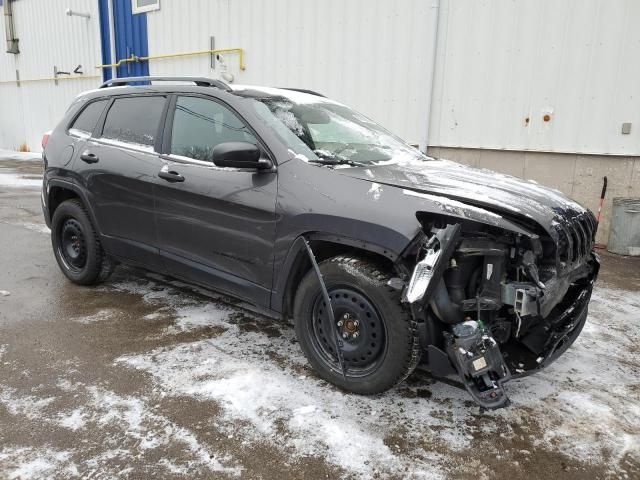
column 479, row 362
column 438, row 252
column 422, row 275
column 336, row 334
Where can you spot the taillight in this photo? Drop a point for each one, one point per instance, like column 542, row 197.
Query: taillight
column 45, row 139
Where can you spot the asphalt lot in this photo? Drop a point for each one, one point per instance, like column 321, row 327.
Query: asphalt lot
column 146, row 377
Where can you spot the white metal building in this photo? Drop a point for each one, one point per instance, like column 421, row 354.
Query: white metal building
column 548, row 90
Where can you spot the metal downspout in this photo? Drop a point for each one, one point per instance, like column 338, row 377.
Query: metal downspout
column 10, row 32
column 431, row 87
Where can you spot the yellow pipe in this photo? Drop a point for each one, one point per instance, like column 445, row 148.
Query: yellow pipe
column 45, row 79
column 133, row 58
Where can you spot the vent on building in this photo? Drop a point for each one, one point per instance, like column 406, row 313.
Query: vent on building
column 141, row 6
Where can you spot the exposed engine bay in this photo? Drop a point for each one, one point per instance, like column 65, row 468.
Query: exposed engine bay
column 493, row 304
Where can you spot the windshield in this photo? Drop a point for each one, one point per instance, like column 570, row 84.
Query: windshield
column 334, row 133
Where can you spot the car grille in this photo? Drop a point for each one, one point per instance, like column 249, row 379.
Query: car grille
column 576, row 237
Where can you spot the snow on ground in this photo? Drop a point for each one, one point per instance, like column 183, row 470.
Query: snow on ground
column 20, row 181
column 36, row 227
column 23, row 463
column 13, row 155
column 134, row 426
column 585, row 405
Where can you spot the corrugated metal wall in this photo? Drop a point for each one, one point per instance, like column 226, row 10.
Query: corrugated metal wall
column 371, row 54
column 48, row 38
column 500, row 62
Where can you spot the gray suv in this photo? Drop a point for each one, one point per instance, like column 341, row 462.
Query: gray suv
column 383, row 257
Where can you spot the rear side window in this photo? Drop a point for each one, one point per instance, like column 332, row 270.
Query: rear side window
column 134, row 120
column 200, row 124
column 88, row 118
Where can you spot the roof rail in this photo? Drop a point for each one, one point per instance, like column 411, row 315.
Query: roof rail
column 302, row 90
column 199, row 81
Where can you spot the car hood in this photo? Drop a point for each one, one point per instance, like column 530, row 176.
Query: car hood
column 502, row 194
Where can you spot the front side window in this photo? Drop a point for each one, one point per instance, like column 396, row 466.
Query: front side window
column 88, row 118
column 134, row 120
column 200, row 124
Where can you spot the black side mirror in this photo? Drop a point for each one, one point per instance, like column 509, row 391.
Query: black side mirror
column 239, row 155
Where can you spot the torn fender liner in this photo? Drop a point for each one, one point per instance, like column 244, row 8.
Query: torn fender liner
column 336, row 335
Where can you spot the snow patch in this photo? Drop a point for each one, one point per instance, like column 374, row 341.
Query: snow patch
column 452, row 206
column 100, row 316
column 14, row 180
column 74, row 420
column 12, row 155
column 149, row 430
column 198, row 317
column 26, row 406
column 37, row 227
column 375, row 191
column 27, row 463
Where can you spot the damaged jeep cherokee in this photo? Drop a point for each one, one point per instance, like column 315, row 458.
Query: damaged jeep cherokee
column 293, row 203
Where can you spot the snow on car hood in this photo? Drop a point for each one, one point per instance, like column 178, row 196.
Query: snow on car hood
column 483, row 188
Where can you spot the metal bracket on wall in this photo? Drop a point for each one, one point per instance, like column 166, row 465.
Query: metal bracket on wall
column 212, row 56
column 18, row 77
column 57, row 73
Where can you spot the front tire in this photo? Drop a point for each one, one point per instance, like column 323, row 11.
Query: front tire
column 380, row 340
column 76, row 245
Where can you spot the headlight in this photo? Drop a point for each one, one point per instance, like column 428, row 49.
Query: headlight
column 422, row 275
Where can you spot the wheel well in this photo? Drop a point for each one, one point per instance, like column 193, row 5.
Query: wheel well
column 323, row 250
column 57, row 195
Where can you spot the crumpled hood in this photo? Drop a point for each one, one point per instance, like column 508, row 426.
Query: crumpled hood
column 496, row 192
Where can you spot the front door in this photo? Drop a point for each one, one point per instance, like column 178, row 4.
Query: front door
column 216, row 226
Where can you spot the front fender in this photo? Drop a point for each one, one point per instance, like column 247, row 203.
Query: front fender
column 343, row 209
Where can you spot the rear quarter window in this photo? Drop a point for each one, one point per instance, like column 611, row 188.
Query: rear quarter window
column 134, row 120
column 88, row 118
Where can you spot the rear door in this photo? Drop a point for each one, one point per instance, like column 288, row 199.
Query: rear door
column 216, row 226
column 83, row 126
column 118, row 167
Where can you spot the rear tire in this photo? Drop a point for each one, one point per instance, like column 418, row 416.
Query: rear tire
column 76, row 245
column 386, row 348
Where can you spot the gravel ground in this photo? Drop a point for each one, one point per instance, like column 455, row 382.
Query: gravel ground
column 146, row 377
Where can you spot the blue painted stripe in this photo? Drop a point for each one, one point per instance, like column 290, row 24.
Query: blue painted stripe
column 105, row 37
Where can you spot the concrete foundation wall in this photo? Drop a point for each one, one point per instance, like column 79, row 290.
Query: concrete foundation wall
column 578, row 176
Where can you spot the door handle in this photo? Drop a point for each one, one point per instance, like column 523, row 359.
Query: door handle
column 89, row 157
column 170, row 176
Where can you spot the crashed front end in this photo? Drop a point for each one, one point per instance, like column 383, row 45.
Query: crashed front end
column 494, row 304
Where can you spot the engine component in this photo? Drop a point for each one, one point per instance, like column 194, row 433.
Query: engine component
column 478, row 360
column 443, row 307
column 523, row 296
